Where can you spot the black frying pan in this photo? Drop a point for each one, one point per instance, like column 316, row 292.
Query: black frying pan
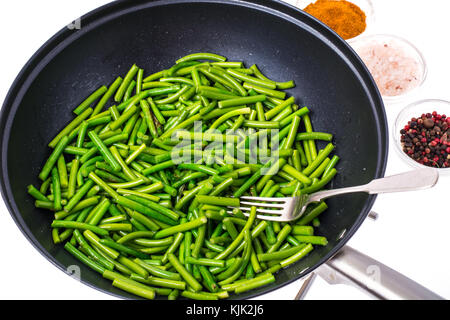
column 283, row 41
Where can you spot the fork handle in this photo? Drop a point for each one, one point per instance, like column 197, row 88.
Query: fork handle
column 408, row 181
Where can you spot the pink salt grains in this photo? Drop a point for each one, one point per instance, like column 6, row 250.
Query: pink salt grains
column 395, row 69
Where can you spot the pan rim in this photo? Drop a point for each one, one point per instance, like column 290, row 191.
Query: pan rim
column 108, row 11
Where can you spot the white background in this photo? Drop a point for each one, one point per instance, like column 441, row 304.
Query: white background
column 411, row 234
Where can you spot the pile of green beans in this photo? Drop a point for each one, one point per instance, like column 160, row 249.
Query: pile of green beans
column 123, row 206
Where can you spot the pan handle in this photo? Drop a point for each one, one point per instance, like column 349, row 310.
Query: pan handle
column 352, row 267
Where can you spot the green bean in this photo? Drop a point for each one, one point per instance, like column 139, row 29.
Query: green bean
column 167, row 283
column 129, row 91
column 134, row 235
column 144, row 210
column 127, row 192
column 265, row 91
column 216, row 94
column 232, row 82
column 134, row 289
column 189, row 177
column 261, row 124
column 123, row 248
column 180, row 228
column 117, row 157
column 158, row 272
column 270, row 172
column 314, row 136
column 206, row 262
column 156, row 84
column 62, row 172
column 78, row 195
column 280, row 85
column 280, row 107
column 297, row 256
column 103, row 185
column 202, row 56
column 154, row 243
column 108, row 94
column 173, row 295
column 91, row 252
column 174, row 245
column 124, row 117
column 84, row 259
column 322, row 183
column 152, row 188
column 126, row 227
column 320, row 169
column 158, row 167
column 89, row 100
column 318, row 160
column 252, row 80
column 56, row 185
column 281, row 236
column 124, row 84
column 219, row 201
column 104, row 151
column 303, row 230
column 153, row 205
column 283, row 114
column 312, row 239
column 254, row 283
column 154, row 76
column 232, row 246
column 252, row 180
column 334, row 160
column 297, row 160
column 139, row 80
column 35, row 193
column 133, row 266
column 241, row 101
column 113, row 219
column 78, row 225
column 245, row 259
column 270, row 233
column 126, row 105
column 190, row 280
column 292, row 133
column 72, row 125
column 312, row 213
column 44, row 204
column 53, row 158
column 102, row 209
column 199, row 295
column 300, row 176
column 280, row 255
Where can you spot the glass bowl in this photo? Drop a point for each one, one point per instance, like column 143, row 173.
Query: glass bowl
column 409, row 50
column 365, row 5
column 414, row 110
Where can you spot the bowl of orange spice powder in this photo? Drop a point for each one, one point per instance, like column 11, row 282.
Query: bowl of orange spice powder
column 349, row 19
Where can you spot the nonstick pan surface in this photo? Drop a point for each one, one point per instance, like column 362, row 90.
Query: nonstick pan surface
column 283, row 41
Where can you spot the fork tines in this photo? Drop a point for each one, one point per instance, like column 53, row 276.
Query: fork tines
column 277, row 207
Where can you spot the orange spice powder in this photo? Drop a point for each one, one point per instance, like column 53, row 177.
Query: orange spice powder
column 344, row 17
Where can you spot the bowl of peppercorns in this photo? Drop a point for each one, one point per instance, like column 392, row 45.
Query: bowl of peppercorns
column 422, row 134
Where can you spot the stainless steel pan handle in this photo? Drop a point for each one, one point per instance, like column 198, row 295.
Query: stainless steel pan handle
column 352, row 267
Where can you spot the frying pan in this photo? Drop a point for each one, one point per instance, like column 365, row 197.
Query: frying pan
column 283, row 41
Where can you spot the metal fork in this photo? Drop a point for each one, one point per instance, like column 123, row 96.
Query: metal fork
column 292, row 208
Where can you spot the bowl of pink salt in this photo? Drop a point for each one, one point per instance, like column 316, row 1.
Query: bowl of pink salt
column 396, row 65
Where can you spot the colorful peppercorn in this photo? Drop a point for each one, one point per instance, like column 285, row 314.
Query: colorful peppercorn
column 426, row 139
